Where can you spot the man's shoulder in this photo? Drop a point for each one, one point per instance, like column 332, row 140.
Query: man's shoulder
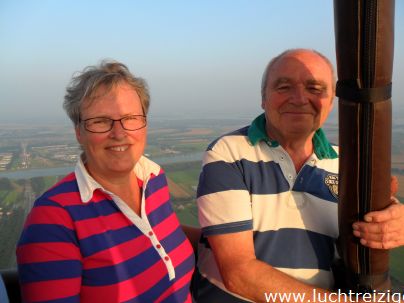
column 232, row 137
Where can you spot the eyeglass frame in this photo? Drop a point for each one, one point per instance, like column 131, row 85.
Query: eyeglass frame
column 112, row 123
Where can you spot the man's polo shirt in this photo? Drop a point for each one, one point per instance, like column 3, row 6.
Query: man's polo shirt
column 82, row 243
column 249, row 182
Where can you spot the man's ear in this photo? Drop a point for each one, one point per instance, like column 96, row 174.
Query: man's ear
column 263, row 104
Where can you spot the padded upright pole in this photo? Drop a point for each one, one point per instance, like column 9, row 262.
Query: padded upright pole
column 364, row 46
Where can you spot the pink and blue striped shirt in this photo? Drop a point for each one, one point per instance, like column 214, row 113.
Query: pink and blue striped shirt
column 82, row 243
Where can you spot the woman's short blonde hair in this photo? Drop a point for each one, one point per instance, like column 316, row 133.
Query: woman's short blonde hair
column 84, row 86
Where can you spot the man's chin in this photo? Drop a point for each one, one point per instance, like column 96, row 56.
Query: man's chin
column 302, row 131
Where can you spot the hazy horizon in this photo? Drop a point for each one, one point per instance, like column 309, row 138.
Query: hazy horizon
column 200, row 59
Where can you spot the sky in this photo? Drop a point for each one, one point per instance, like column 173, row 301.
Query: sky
column 199, row 58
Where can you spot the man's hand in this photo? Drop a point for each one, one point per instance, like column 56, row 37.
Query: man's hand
column 383, row 229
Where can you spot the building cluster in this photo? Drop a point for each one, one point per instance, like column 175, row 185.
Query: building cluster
column 62, row 152
column 5, row 160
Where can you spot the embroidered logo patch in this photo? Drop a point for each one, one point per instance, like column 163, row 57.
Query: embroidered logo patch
column 332, row 182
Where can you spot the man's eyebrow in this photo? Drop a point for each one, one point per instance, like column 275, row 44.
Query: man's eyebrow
column 281, row 80
column 322, row 83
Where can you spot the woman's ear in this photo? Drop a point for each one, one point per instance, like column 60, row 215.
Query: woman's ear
column 78, row 133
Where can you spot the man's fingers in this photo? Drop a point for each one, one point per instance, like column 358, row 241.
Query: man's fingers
column 382, row 229
column 379, row 245
column 380, row 240
column 393, row 211
column 377, row 229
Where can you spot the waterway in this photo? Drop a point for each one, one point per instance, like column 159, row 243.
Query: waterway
column 61, row 171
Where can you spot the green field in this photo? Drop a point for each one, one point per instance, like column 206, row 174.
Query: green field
column 186, row 176
column 40, row 184
column 397, row 263
column 188, row 216
column 12, row 215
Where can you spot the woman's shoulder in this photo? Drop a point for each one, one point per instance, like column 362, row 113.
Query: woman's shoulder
column 64, row 192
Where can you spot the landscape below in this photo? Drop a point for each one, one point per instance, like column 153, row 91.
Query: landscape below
column 34, row 158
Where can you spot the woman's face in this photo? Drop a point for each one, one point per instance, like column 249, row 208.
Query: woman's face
column 113, row 153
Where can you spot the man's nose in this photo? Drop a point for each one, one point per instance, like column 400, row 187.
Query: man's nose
column 299, row 95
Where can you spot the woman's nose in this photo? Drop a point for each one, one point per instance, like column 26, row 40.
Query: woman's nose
column 117, row 130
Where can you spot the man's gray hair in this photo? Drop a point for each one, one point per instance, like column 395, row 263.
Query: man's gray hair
column 264, row 81
column 84, row 86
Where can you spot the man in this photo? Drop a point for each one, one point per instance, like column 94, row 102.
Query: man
column 267, row 212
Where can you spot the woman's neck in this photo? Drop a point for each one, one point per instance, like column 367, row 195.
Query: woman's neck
column 125, row 187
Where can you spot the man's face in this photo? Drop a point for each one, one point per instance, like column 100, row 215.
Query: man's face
column 299, row 95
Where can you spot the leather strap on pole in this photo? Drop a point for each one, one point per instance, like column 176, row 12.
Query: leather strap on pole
column 349, row 90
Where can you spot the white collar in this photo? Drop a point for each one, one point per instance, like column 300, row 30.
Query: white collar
column 87, row 185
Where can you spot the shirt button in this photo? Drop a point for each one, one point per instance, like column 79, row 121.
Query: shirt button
column 166, row 258
column 150, row 233
column 158, row 246
column 290, row 177
column 282, row 158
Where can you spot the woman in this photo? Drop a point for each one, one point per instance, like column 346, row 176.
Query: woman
column 107, row 232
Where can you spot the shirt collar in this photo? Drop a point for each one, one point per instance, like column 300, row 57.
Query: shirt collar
column 87, row 185
column 322, row 147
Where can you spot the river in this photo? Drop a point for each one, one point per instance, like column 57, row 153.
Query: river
column 61, row 171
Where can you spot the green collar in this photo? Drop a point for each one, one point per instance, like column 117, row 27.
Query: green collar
column 322, row 147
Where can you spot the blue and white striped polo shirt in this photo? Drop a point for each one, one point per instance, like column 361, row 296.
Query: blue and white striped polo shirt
column 249, row 182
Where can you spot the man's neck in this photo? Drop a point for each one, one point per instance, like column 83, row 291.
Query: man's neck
column 299, row 153
column 300, row 148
